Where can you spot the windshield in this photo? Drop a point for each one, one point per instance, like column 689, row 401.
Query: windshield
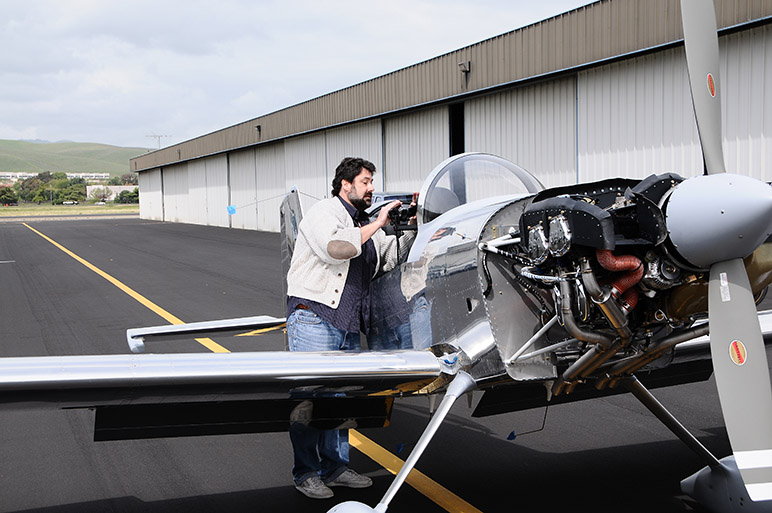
column 470, row 177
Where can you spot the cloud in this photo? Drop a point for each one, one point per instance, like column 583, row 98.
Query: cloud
column 114, row 71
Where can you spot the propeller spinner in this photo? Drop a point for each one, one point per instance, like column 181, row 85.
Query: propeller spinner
column 714, row 221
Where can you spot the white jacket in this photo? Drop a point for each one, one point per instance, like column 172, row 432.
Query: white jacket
column 327, row 239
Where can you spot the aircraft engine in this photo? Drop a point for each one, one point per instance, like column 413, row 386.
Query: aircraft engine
column 624, row 294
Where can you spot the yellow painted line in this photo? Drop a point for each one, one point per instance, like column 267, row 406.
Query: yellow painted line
column 206, row 342
column 423, row 484
column 255, row 333
column 440, row 495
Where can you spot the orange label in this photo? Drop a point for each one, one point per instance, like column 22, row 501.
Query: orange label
column 737, row 352
column 711, row 86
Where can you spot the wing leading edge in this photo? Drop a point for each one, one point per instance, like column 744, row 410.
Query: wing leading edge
column 167, row 395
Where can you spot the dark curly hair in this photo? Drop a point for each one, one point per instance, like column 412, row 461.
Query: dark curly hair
column 348, row 169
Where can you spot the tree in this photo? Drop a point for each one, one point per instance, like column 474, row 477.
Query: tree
column 128, row 196
column 43, row 196
column 29, row 187
column 75, row 192
column 99, row 194
column 7, row 196
column 129, row 179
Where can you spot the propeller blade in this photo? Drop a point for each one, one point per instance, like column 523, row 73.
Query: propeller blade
column 742, row 375
column 701, row 41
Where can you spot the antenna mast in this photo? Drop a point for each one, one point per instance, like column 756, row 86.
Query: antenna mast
column 158, row 138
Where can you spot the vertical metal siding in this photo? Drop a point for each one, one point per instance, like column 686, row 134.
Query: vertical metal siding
column 363, row 140
column 243, row 189
column 217, row 191
column 271, row 185
column 746, row 78
column 414, row 145
column 193, row 208
column 151, row 206
column 635, row 117
column 532, row 126
column 175, row 193
column 305, row 167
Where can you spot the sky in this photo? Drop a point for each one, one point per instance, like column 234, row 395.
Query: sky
column 120, row 71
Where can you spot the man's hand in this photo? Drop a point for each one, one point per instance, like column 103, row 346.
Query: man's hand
column 413, row 219
column 383, row 219
column 383, row 214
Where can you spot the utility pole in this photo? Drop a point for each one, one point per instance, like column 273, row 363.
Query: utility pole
column 158, row 138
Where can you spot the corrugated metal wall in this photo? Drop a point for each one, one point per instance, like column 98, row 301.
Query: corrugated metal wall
column 176, row 193
column 363, row 140
column 532, row 126
column 217, row 197
column 243, row 189
column 747, row 105
column 271, row 185
column 635, row 117
column 152, row 205
column 414, row 145
column 195, row 208
column 305, row 164
column 253, row 181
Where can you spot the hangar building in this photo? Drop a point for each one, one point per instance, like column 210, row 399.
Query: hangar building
column 596, row 92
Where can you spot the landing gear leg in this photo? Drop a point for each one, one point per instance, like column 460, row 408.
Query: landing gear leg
column 460, row 385
column 718, row 487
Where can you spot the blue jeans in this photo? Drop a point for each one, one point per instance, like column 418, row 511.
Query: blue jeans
column 317, row 452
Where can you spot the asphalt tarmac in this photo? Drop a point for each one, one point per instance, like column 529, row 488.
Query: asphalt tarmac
column 603, row 455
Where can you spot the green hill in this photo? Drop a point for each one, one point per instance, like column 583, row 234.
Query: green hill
column 68, row 157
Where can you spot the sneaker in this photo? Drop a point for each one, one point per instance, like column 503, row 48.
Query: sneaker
column 351, row 479
column 314, row 488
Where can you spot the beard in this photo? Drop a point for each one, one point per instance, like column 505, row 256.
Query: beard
column 360, row 203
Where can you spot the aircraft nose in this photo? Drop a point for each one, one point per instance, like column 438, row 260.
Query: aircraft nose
column 718, row 217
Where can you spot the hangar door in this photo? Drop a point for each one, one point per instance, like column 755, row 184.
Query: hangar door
column 414, row 144
column 152, row 204
column 532, row 126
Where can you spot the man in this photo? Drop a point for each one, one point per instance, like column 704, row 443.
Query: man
column 337, row 253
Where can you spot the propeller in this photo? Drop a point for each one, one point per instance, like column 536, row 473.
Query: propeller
column 714, row 222
column 699, row 22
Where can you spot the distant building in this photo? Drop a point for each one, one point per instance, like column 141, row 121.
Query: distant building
column 13, row 177
column 16, row 176
column 89, row 176
column 114, row 190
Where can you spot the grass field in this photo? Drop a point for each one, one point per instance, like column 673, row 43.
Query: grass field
column 68, row 157
column 68, row 210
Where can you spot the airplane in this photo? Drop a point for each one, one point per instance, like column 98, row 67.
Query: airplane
column 533, row 296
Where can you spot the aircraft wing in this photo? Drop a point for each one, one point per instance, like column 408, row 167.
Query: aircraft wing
column 163, row 395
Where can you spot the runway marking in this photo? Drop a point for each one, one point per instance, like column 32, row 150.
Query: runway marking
column 440, row 495
column 423, row 484
column 206, row 342
column 259, row 332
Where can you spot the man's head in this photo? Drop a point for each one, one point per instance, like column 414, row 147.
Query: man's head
column 353, row 182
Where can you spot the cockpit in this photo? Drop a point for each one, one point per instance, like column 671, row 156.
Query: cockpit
column 470, row 177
